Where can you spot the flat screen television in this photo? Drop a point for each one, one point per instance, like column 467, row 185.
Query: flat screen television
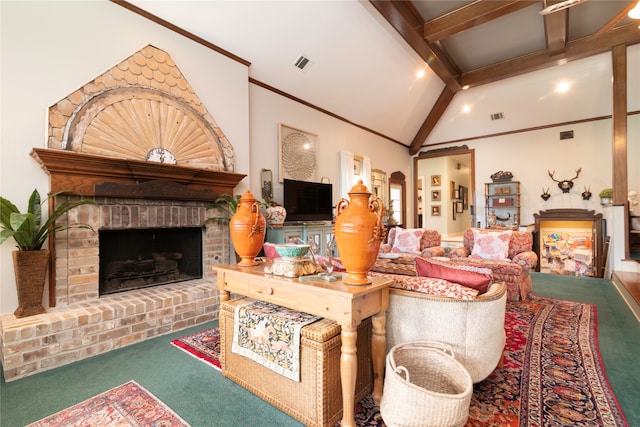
column 307, row 201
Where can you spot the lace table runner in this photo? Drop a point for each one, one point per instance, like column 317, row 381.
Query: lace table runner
column 270, row 335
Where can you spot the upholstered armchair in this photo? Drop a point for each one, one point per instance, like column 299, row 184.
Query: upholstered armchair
column 474, row 328
column 415, row 241
column 508, row 254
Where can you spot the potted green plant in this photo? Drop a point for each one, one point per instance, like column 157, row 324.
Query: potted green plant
column 606, row 196
column 30, row 261
column 228, row 204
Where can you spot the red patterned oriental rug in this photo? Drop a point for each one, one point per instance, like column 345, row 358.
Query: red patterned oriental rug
column 204, row 345
column 128, row 405
column 552, row 375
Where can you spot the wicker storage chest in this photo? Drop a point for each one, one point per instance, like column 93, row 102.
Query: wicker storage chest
column 317, row 399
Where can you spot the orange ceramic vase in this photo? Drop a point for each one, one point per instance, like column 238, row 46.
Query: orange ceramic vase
column 359, row 232
column 247, row 227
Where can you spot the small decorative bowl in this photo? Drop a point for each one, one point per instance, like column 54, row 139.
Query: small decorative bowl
column 290, row 250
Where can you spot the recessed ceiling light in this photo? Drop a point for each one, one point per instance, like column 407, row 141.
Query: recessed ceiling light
column 635, row 12
column 420, row 74
column 466, row 108
column 562, row 87
column 465, row 87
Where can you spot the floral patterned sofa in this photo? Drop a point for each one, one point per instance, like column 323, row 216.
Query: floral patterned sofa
column 507, row 254
column 442, row 304
column 415, row 241
column 434, row 299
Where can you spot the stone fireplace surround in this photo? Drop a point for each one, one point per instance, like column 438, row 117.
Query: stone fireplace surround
column 82, row 324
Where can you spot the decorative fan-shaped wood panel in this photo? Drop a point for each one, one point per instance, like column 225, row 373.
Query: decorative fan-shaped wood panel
column 142, row 108
column 136, row 123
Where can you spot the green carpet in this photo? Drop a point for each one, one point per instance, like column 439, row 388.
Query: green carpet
column 618, row 332
column 201, row 396
column 194, row 390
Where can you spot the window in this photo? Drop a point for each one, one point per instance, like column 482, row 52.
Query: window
column 395, row 202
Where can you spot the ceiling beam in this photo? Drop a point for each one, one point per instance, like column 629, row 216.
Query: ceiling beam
column 469, row 16
column 619, row 122
column 578, row 49
column 613, row 21
column 404, row 18
column 556, row 29
column 430, row 122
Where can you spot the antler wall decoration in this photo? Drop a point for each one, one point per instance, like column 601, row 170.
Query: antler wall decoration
column 586, row 194
column 567, row 184
column 545, row 194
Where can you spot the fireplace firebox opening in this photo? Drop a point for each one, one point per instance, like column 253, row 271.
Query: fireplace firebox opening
column 141, row 258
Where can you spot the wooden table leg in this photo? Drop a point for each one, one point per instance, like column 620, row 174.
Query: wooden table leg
column 378, row 351
column 224, row 295
column 348, row 371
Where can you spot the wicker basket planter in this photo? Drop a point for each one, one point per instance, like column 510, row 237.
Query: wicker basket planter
column 30, row 270
column 425, row 386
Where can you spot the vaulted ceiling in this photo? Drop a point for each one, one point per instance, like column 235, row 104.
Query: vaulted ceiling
column 365, row 56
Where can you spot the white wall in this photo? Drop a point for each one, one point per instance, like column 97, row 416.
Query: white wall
column 531, row 155
column 49, row 49
column 269, row 109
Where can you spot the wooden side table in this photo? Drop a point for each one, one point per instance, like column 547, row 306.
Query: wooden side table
column 347, row 305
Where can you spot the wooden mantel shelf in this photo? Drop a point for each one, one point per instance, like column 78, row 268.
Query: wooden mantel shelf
column 80, row 173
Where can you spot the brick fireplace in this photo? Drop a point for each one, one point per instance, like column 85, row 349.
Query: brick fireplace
column 81, row 322
column 138, row 141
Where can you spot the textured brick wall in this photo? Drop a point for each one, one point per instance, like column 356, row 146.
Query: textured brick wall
column 76, row 250
column 78, row 331
column 83, row 324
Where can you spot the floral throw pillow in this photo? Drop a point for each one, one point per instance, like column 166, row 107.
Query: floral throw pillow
column 407, row 241
column 491, row 245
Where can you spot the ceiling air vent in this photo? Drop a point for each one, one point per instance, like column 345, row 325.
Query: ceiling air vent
column 497, row 116
column 567, row 134
column 303, row 63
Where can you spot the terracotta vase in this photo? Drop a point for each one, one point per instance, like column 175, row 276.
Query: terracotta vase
column 275, row 215
column 247, row 227
column 358, row 233
column 30, row 269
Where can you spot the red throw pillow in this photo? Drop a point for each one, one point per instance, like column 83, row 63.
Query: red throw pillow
column 472, row 277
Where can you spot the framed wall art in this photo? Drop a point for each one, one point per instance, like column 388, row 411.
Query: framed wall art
column 464, row 197
column 435, row 195
column 435, row 180
column 357, row 166
column 297, row 154
column 435, row 210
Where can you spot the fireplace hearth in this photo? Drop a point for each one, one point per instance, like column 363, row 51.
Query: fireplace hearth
column 141, row 258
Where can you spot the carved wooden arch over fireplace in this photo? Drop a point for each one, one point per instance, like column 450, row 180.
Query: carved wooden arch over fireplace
column 141, row 109
column 140, row 142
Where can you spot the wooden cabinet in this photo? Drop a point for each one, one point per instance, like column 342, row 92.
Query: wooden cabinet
column 316, row 235
column 502, row 205
column 570, row 242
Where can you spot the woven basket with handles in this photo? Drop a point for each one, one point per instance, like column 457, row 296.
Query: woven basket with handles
column 425, row 386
